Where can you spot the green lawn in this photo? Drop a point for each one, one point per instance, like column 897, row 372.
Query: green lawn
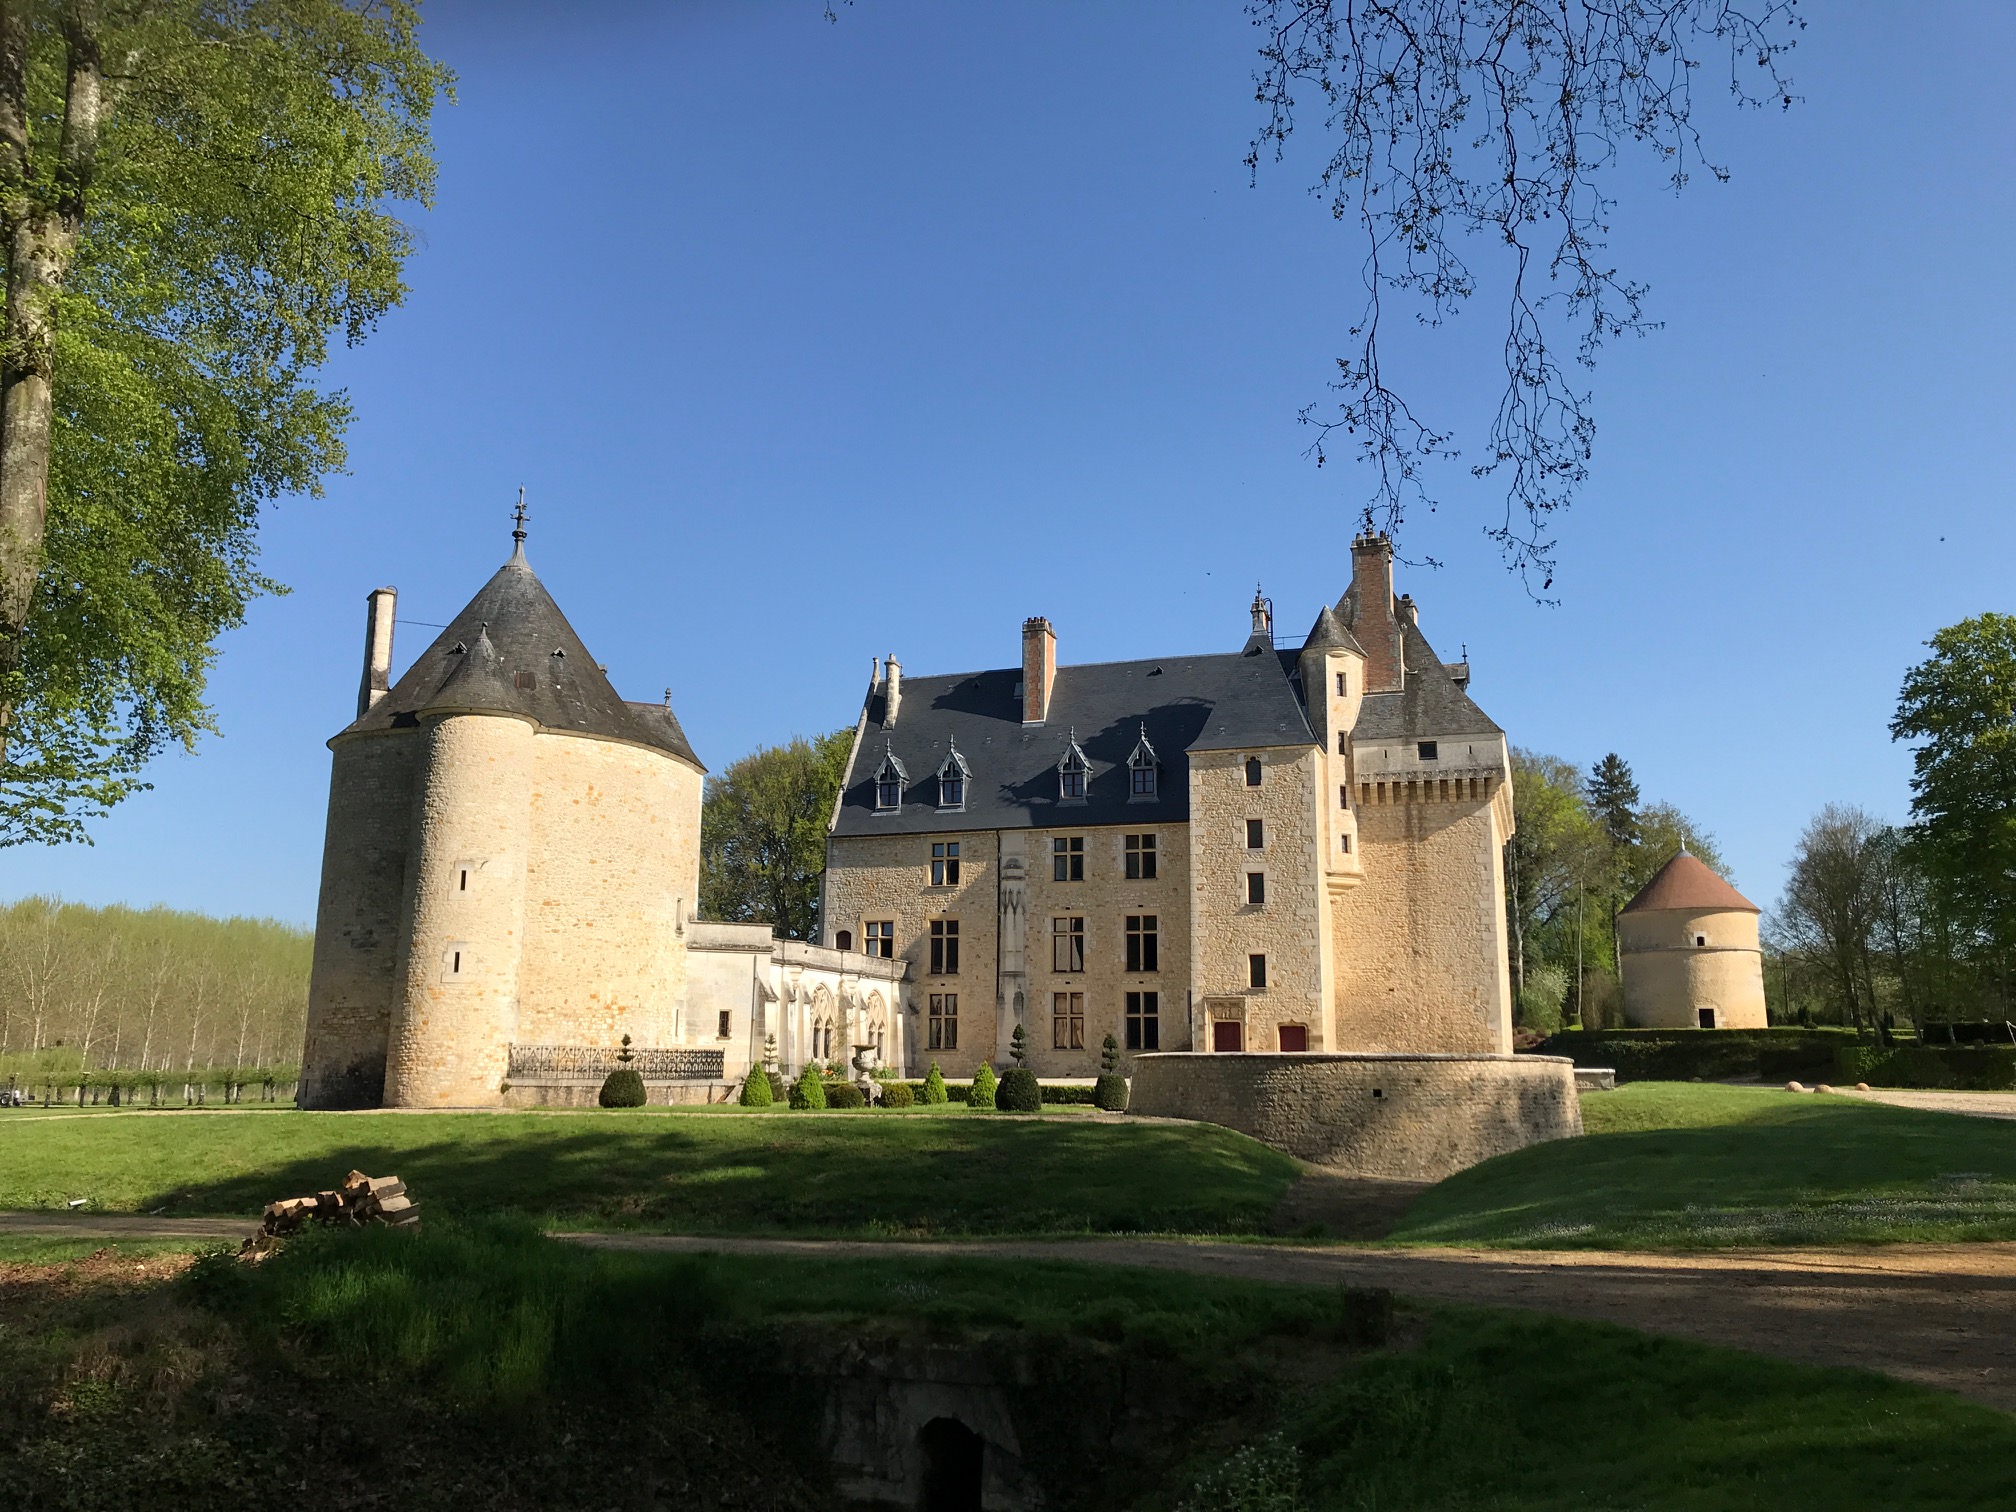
column 913, row 1174
column 1677, row 1165
column 1456, row 1408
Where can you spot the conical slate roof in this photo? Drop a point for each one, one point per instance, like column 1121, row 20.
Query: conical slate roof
column 511, row 651
column 1686, row 882
column 1329, row 631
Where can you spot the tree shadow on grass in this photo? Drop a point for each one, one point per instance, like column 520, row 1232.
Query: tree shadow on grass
column 819, row 1173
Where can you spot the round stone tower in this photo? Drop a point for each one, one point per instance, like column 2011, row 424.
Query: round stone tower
column 511, row 857
column 1690, row 952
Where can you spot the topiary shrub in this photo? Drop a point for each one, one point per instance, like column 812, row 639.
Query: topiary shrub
column 809, row 1091
column 981, row 1094
column 756, row 1091
column 934, row 1086
column 1110, row 1092
column 897, row 1095
column 1018, row 1092
column 622, row 1088
column 845, row 1095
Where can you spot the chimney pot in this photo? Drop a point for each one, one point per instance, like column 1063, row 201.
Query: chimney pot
column 892, row 690
column 378, row 612
column 1039, row 669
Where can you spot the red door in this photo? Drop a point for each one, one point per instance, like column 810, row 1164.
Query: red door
column 1228, row 1034
column 1294, row 1037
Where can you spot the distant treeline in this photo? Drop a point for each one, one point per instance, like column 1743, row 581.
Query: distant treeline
column 145, row 991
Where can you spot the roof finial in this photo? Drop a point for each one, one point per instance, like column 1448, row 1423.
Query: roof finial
column 518, row 527
column 668, row 698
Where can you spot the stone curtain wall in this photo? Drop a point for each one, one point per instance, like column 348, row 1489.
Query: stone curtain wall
column 359, row 920
column 1393, row 1117
column 1420, row 945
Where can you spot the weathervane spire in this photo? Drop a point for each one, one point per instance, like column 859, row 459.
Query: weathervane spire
column 518, row 518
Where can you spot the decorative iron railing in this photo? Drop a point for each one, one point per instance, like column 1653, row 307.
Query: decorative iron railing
column 535, row 1061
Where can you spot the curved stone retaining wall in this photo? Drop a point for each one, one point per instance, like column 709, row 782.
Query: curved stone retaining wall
column 1396, row 1117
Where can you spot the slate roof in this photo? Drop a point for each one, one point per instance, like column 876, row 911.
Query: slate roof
column 1430, row 703
column 1186, row 703
column 1686, row 882
column 513, row 627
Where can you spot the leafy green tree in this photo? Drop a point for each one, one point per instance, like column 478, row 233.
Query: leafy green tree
column 1959, row 706
column 1664, row 832
column 197, row 195
column 763, row 834
column 1832, row 901
column 1557, row 853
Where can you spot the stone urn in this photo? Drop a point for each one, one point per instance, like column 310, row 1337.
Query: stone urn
column 864, row 1071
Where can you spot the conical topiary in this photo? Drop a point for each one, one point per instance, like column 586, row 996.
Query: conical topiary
column 934, row 1085
column 1110, row 1090
column 982, row 1095
column 756, row 1091
column 809, row 1091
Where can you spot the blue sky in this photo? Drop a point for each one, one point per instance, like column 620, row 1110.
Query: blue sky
column 812, row 342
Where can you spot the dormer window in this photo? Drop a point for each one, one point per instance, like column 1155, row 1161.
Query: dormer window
column 1141, row 768
column 890, row 780
column 1072, row 771
column 952, row 775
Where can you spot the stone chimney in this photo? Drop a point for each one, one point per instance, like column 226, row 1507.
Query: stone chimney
column 377, row 648
column 1377, row 626
column 892, row 691
column 1263, row 615
column 1039, row 669
column 1407, row 610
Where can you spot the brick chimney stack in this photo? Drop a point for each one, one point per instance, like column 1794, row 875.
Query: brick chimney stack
column 1039, row 669
column 1377, row 626
column 377, row 648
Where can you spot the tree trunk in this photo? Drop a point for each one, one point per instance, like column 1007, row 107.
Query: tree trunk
column 41, row 240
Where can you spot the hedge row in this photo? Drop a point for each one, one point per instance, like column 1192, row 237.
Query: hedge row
column 1778, row 1055
column 1056, row 1096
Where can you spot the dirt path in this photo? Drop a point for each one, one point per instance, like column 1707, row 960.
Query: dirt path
column 1938, row 1315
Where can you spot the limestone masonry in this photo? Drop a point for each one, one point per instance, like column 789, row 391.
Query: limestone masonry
column 1689, row 952
column 1281, row 850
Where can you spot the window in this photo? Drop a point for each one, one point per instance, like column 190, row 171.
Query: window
column 1256, row 895
column 1140, row 857
column 1344, row 844
column 952, row 775
column 1343, row 688
column 944, row 863
column 890, row 779
column 1144, row 1021
column 1427, row 751
column 1252, row 771
column 722, row 1031
column 1256, row 834
column 1072, row 771
column 1343, row 795
column 463, row 885
column 881, row 938
column 524, row 681
column 1141, row 768
column 1067, row 1021
column 944, row 947
column 1707, row 1018
column 1343, row 743
column 455, row 963
column 843, row 939
column 1067, row 859
column 1256, row 972
column 1067, row 945
column 944, row 1021
column 1294, row 1037
column 1700, row 940
column 1144, row 943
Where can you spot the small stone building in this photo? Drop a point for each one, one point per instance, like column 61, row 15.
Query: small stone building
column 1690, row 953
column 509, row 880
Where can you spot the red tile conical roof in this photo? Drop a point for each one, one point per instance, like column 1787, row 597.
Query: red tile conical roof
column 1686, row 882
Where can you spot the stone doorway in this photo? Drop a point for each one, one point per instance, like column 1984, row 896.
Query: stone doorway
column 951, row 1454
column 1228, row 1034
column 1294, row 1037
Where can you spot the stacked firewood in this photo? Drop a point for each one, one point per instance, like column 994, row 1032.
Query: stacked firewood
column 359, row 1200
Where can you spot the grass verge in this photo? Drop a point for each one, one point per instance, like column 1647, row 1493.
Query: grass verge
column 1682, row 1166
column 902, row 1175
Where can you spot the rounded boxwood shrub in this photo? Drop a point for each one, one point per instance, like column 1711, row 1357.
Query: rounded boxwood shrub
column 897, row 1094
column 1110, row 1092
column 934, row 1086
column 845, row 1095
column 982, row 1093
column 809, row 1091
column 756, row 1091
column 1019, row 1092
column 622, row 1088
